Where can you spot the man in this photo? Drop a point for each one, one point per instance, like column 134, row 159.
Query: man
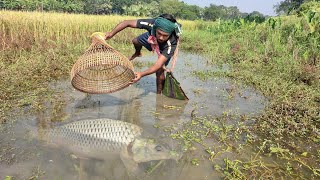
column 162, row 37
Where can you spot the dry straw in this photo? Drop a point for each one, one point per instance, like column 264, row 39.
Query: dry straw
column 101, row 69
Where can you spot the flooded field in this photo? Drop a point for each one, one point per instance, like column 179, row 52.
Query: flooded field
column 25, row 156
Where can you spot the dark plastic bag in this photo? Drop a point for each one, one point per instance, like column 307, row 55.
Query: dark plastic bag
column 172, row 88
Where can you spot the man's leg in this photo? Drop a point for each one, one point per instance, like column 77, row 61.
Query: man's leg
column 137, row 47
column 139, row 42
column 160, row 80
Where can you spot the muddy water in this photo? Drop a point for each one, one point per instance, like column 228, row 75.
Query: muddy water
column 24, row 156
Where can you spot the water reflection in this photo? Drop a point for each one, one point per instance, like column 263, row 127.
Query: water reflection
column 168, row 110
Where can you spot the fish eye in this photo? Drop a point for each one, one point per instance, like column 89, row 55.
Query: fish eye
column 158, row 148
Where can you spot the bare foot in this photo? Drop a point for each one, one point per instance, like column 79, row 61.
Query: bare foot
column 136, row 54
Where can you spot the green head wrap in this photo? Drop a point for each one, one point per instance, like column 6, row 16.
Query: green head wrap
column 166, row 26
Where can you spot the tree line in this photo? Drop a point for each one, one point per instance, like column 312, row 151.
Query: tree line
column 292, row 6
column 149, row 8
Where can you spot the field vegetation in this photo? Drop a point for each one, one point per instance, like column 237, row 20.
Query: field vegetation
column 279, row 57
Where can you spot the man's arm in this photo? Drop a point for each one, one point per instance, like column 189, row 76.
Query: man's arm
column 159, row 63
column 124, row 24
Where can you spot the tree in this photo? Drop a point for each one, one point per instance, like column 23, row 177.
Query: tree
column 190, row 12
column 117, row 5
column 98, row 7
column 255, row 16
column 309, row 6
column 287, row 6
column 173, row 7
column 212, row 12
column 142, row 9
column 72, row 6
column 12, row 4
column 233, row 12
column 151, row 8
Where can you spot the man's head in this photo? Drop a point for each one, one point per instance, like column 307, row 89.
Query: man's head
column 161, row 35
column 163, row 27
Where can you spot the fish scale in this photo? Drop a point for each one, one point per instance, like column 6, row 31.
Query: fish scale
column 102, row 134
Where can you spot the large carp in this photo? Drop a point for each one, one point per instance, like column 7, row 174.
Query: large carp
column 93, row 135
column 96, row 137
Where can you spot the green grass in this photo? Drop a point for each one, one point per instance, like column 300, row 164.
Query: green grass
column 279, row 59
column 282, row 63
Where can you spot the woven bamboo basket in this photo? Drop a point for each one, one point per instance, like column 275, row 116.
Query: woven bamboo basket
column 101, row 69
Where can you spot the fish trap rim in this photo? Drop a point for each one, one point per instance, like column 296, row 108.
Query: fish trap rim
column 100, row 86
column 95, row 65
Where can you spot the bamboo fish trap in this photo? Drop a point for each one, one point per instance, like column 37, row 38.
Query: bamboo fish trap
column 101, row 69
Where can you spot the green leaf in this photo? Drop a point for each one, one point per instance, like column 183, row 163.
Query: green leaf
column 8, row 178
column 304, row 154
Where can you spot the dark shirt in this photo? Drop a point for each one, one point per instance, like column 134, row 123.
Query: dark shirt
column 167, row 48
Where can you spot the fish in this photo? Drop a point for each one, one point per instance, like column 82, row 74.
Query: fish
column 94, row 138
column 93, row 134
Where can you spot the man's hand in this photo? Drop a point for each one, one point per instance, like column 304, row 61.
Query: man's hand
column 108, row 35
column 137, row 78
column 166, row 69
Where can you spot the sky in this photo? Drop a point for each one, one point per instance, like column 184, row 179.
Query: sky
column 263, row 6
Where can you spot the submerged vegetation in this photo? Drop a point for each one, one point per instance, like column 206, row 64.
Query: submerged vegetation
column 280, row 58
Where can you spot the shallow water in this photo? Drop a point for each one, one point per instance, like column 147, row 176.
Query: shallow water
column 23, row 157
